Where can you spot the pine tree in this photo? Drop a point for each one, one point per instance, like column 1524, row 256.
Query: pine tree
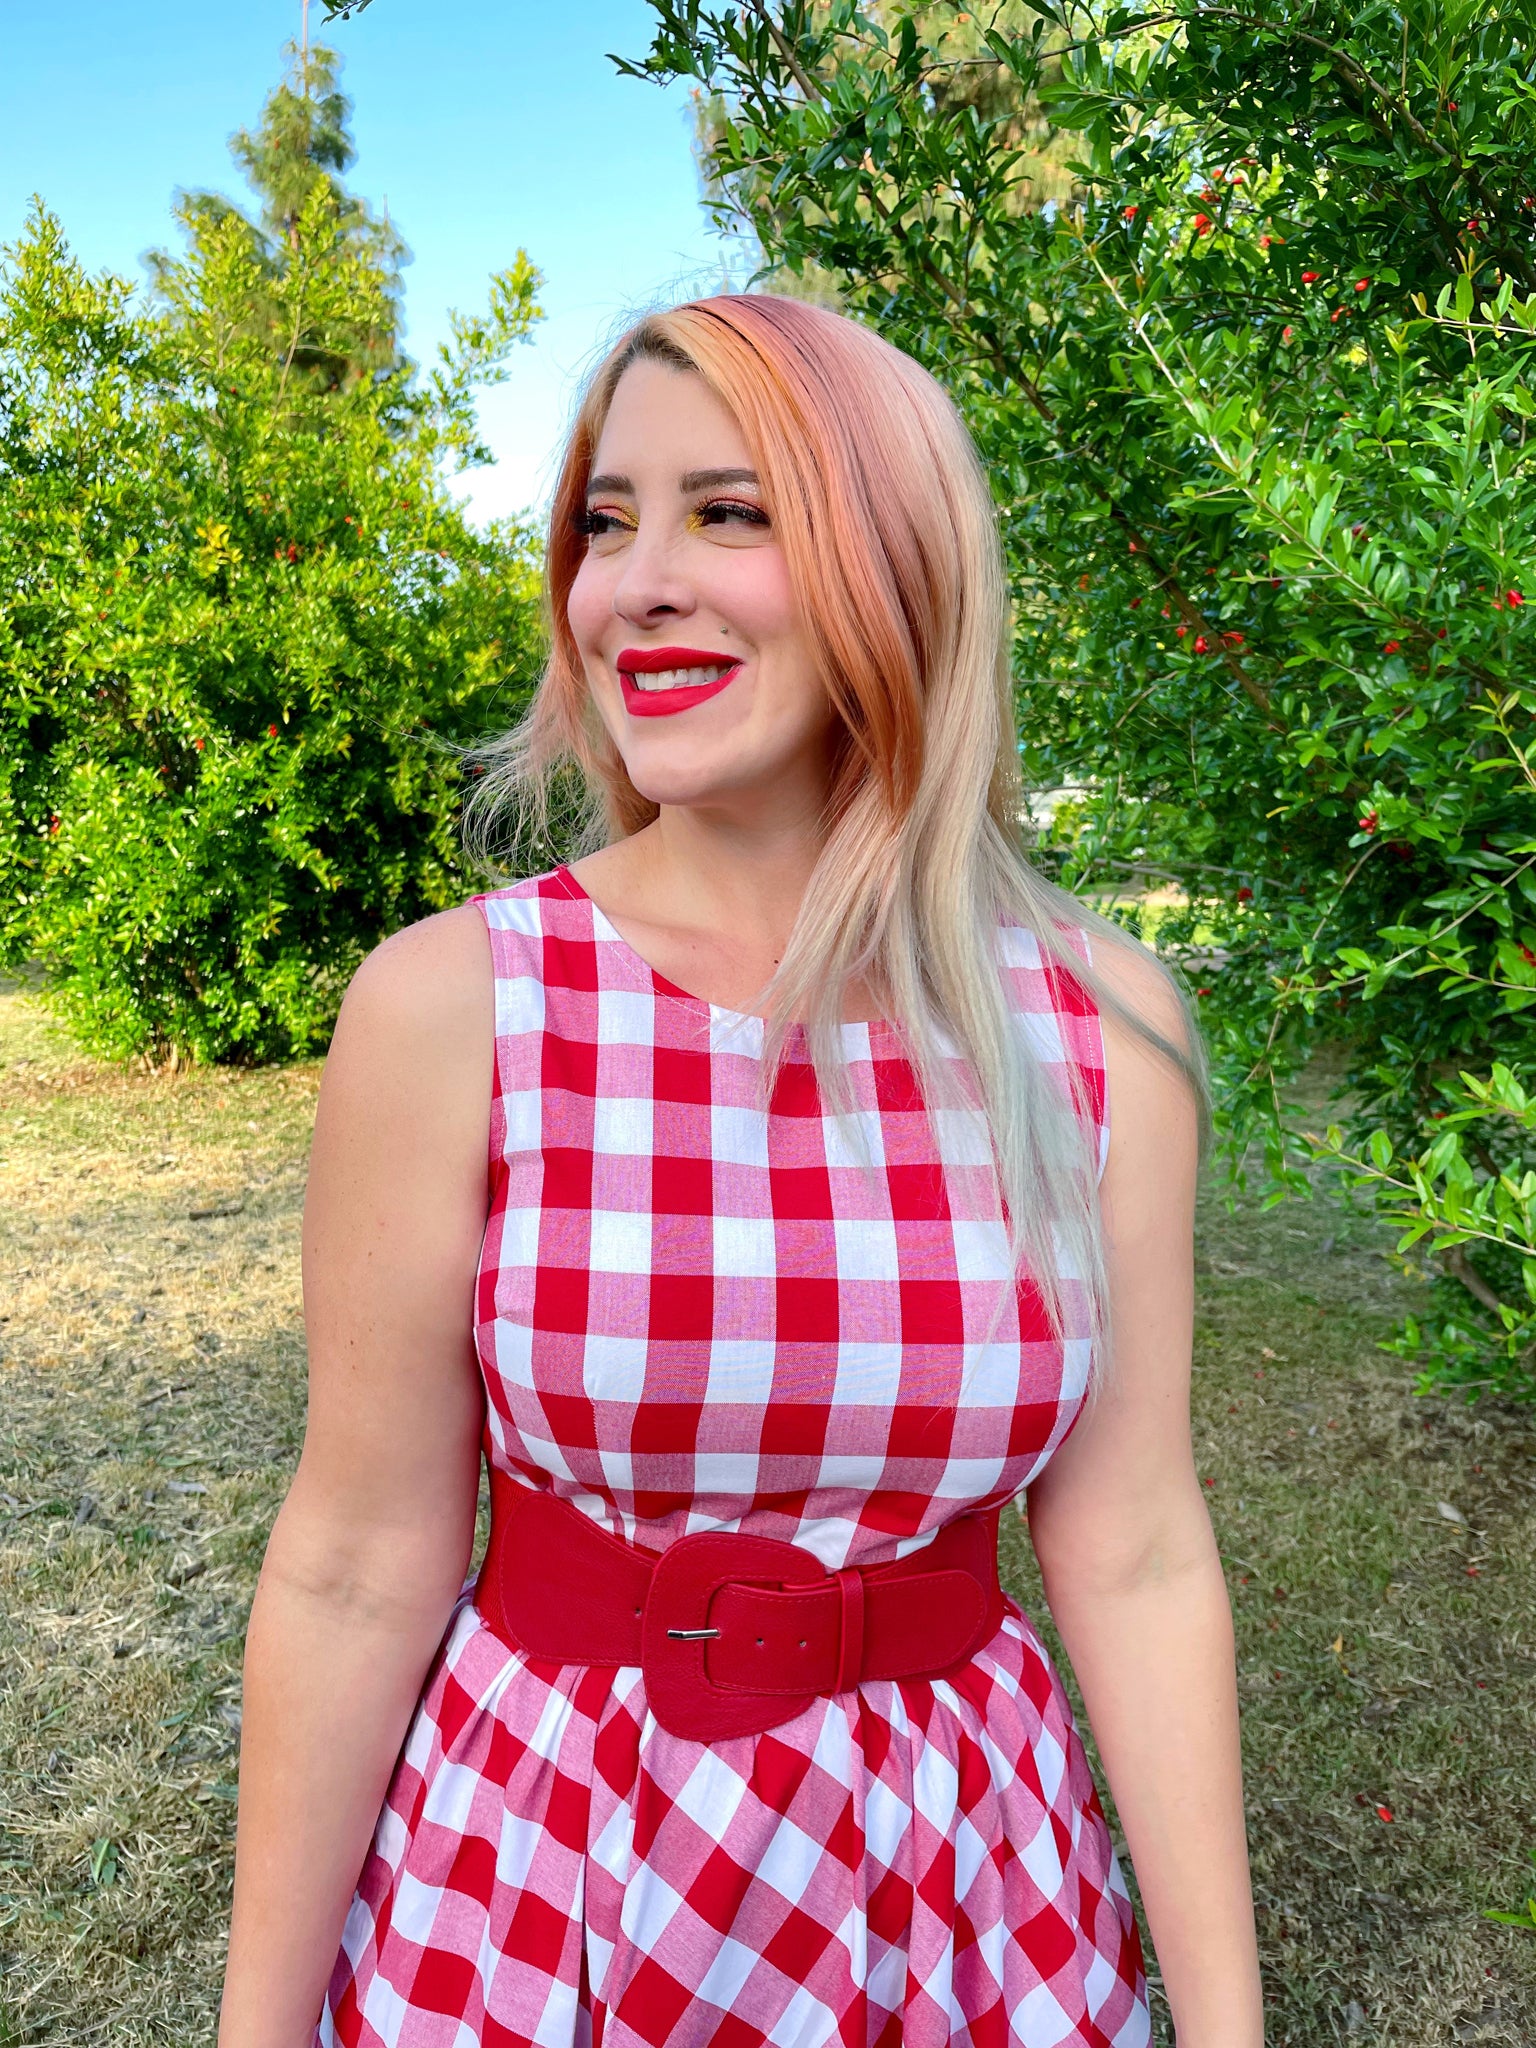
column 306, row 221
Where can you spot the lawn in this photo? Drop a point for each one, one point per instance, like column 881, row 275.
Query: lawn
column 1379, row 1549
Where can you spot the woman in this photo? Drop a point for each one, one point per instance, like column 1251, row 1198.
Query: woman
column 826, row 1154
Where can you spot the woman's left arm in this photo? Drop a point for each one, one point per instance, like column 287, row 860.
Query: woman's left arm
column 1129, row 1560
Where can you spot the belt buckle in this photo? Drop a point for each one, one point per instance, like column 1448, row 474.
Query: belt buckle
column 675, row 1632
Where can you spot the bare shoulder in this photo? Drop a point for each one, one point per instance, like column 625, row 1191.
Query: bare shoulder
column 1141, row 991
column 433, row 975
column 414, row 1042
column 1151, row 1052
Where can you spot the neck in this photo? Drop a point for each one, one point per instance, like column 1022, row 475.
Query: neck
column 727, row 873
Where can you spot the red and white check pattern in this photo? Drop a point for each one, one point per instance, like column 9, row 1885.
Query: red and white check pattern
column 694, row 1315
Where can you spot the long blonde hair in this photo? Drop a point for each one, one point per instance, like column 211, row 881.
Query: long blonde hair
column 880, row 504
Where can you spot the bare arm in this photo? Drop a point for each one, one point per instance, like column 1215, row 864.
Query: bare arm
column 1130, row 1565
column 374, row 1538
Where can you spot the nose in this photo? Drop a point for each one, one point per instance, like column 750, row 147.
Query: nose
column 653, row 584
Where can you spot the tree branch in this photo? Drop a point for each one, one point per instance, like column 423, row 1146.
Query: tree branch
column 1455, row 1263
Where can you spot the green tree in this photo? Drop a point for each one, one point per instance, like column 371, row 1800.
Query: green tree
column 298, row 153
column 1256, row 392
column 243, row 621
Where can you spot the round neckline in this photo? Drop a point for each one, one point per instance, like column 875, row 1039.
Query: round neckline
column 663, row 986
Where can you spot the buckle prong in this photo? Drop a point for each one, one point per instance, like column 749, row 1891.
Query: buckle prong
column 693, row 1635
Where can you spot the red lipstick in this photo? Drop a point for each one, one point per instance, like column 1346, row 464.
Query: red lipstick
column 649, row 661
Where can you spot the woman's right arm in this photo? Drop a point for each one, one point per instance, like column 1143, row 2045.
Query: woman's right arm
column 374, row 1539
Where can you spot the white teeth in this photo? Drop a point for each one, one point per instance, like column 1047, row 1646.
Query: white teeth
column 679, row 678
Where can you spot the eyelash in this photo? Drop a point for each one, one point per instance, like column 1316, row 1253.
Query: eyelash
column 595, row 523
column 753, row 515
column 590, row 524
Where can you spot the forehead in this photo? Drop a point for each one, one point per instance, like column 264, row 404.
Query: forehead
column 664, row 420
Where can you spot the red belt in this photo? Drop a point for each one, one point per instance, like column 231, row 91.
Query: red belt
column 732, row 1633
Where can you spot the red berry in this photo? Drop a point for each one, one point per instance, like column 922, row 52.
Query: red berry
column 1512, row 598
column 1310, row 276
column 1245, row 894
column 1128, row 213
column 1392, row 647
column 199, row 744
column 1369, row 822
column 271, row 732
column 1286, row 333
column 1363, row 285
column 1202, row 645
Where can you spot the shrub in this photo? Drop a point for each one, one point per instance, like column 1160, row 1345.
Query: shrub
column 241, row 611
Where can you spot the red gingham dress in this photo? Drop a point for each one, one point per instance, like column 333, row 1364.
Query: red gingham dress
column 694, row 1315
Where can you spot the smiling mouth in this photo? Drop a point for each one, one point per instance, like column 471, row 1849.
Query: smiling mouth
column 658, row 681
column 679, row 678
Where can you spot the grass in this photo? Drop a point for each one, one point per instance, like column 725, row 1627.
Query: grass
column 151, row 1407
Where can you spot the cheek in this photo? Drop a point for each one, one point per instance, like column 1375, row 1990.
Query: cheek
column 589, row 606
column 755, row 595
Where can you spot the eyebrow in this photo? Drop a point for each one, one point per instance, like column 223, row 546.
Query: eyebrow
column 695, row 480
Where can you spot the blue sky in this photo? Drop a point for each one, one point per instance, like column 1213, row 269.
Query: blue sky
column 487, row 125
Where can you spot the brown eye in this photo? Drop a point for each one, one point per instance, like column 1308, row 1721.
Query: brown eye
column 593, row 523
column 730, row 511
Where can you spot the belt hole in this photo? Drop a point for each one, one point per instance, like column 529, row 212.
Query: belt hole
column 759, row 1642
column 802, row 1642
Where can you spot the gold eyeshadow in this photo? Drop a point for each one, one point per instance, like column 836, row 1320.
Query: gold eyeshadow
column 751, row 514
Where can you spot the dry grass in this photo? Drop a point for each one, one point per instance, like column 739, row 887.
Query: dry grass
column 151, row 1404
column 152, row 1372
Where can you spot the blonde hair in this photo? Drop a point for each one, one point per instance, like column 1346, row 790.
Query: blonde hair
column 881, row 507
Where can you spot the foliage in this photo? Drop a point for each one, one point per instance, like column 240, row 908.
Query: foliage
column 1441, row 1196
column 1256, row 396
column 293, row 162
column 1527, row 1919
column 240, row 611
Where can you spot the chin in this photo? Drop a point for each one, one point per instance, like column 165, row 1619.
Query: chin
column 677, row 788
column 682, row 776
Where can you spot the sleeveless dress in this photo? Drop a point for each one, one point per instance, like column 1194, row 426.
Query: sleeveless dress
column 694, row 1315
